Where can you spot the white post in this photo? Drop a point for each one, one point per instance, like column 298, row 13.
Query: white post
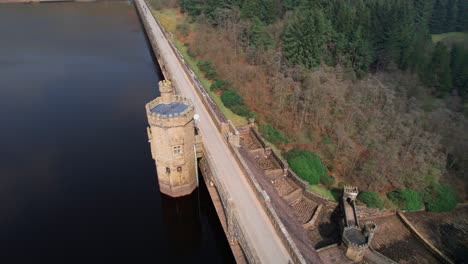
column 196, row 163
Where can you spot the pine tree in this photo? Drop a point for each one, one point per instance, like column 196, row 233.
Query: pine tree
column 439, row 17
column 386, row 27
column 290, row 4
column 462, row 17
column 360, row 53
column 422, row 14
column 452, row 13
column 305, row 36
column 421, row 56
column 259, row 37
column 210, row 7
column 405, row 34
column 192, row 7
column 440, row 66
column 268, row 11
column 459, row 67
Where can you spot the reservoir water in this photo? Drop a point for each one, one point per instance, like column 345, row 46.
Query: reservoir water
column 77, row 182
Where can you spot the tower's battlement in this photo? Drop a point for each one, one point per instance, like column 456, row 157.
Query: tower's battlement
column 370, row 226
column 165, row 86
column 178, row 112
column 350, row 192
column 357, row 240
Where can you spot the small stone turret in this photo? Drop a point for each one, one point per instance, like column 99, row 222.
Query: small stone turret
column 172, row 137
column 350, row 192
column 356, row 239
column 166, row 90
column 369, row 230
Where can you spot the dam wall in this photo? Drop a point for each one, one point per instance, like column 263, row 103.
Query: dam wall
column 234, row 229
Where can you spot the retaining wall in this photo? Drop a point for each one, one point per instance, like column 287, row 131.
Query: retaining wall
column 226, row 130
column 214, row 111
column 234, row 230
column 437, row 253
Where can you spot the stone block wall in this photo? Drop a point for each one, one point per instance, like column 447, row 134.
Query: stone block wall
column 223, row 126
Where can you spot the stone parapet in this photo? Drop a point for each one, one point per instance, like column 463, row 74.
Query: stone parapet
column 202, row 92
column 364, row 212
column 264, row 199
column 316, row 216
column 372, row 256
column 235, row 230
column 170, row 120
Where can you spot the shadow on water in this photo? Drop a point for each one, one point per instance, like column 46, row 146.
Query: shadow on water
column 189, row 222
column 176, row 211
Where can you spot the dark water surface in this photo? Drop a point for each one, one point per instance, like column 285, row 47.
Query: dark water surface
column 77, row 182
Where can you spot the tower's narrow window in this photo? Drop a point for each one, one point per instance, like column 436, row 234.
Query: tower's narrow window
column 177, row 150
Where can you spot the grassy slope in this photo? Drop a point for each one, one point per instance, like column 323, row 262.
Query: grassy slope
column 451, row 38
column 323, row 191
column 170, row 18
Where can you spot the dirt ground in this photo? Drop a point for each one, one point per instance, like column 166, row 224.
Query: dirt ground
column 447, row 231
column 395, row 241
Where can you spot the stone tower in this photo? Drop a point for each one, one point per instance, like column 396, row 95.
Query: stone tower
column 172, row 138
column 350, row 192
column 355, row 238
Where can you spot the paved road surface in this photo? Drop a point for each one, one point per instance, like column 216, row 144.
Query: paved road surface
column 252, row 217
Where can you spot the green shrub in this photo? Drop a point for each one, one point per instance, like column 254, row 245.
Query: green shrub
column 234, row 101
column 191, row 52
column 326, row 140
column 207, row 67
column 219, row 84
column 440, row 198
column 323, row 191
column 272, row 135
column 327, row 180
column 300, row 166
column 306, row 165
column 371, row 199
column 407, row 199
column 242, row 110
column 230, row 98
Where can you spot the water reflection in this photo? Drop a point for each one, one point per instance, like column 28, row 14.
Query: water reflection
column 77, row 182
column 178, row 229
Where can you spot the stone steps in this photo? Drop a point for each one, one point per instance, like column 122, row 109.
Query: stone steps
column 304, row 209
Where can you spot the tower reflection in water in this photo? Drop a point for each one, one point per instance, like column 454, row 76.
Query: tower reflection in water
column 181, row 219
column 191, row 225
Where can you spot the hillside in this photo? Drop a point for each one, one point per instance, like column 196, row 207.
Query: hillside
column 358, row 84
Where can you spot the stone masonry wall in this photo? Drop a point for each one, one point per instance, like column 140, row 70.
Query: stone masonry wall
column 222, row 125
